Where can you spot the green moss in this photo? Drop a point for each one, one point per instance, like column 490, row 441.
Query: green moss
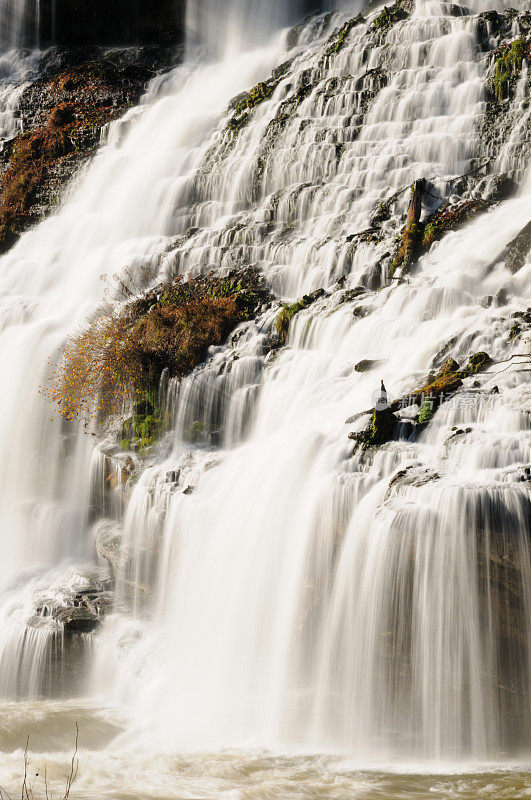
column 391, row 15
column 288, row 312
column 426, row 412
column 431, row 233
column 381, row 429
column 196, row 432
column 145, row 426
column 410, row 240
column 448, row 379
column 285, row 316
column 256, row 96
column 477, row 363
column 515, row 331
column 508, row 67
column 340, row 38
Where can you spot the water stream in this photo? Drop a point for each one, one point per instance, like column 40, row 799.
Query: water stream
column 296, row 601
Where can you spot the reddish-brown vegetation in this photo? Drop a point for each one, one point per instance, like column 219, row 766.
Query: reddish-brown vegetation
column 77, row 103
column 118, row 359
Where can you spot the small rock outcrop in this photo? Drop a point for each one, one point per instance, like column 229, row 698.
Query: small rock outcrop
column 288, row 311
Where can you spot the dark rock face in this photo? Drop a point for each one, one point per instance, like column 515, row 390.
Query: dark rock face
column 118, row 22
column 77, row 620
column 518, row 249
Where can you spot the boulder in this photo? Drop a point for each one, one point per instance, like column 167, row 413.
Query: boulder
column 366, row 364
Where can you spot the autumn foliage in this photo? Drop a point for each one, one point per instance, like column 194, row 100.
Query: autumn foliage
column 118, row 359
column 97, row 372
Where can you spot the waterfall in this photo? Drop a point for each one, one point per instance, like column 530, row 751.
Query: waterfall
column 230, row 26
column 281, row 588
column 19, row 23
column 371, row 616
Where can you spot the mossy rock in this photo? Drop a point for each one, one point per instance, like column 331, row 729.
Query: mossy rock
column 478, row 362
column 393, row 14
column 426, row 412
column 410, row 240
column 247, row 101
column 381, row 429
column 140, row 432
column 493, row 18
column 508, row 66
column 196, row 432
column 339, row 39
column 284, row 318
column 77, row 620
column 450, row 376
column 365, row 365
column 62, row 113
column 288, row 311
column 450, row 218
column 447, row 380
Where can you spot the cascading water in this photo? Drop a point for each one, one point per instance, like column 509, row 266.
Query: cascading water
column 19, row 28
column 230, row 27
column 304, row 594
column 19, row 23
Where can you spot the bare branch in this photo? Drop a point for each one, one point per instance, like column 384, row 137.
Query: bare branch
column 74, row 767
column 24, row 792
column 511, row 363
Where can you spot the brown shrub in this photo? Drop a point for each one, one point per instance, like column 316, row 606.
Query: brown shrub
column 119, row 358
column 97, row 372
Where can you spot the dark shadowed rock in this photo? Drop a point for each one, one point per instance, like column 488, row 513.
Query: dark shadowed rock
column 82, row 22
column 366, row 364
column 77, row 620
